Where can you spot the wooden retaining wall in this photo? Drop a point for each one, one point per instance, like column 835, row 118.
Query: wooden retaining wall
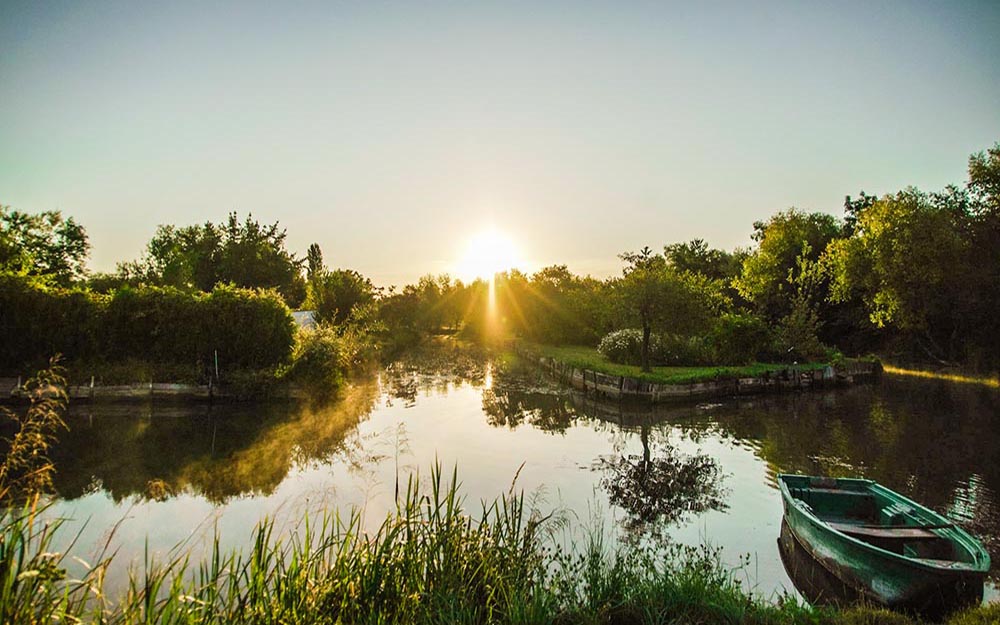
column 624, row 387
column 11, row 392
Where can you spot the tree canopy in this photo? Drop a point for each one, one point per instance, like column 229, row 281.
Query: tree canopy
column 781, row 240
column 655, row 295
column 246, row 254
column 44, row 244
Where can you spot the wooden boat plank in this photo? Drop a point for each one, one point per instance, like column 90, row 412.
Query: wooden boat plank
column 898, row 533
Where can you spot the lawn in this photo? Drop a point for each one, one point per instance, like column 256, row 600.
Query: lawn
column 583, row 357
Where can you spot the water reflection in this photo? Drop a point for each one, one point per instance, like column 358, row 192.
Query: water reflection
column 933, row 442
column 662, row 486
column 156, row 451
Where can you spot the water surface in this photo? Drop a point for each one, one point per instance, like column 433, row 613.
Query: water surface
column 177, row 474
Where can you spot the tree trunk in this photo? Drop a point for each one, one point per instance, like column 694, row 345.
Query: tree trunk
column 645, row 347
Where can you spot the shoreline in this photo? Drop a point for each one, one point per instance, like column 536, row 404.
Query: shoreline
column 11, row 392
column 630, row 388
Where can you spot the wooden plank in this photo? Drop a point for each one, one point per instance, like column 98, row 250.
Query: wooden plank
column 884, row 532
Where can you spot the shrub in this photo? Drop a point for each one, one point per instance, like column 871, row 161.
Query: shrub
column 625, row 346
column 320, row 360
column 37, row 322
column 248, row 329
column 682, row 351
column 739, row 339
column 796, row 336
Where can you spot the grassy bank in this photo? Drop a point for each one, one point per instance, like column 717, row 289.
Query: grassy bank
column 589, row 358
column 429, row 562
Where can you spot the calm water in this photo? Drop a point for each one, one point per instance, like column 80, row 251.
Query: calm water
column 176, row 474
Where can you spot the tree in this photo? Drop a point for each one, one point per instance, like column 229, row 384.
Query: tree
column 984, row 199
column 246, row 254
column 853, row 208
column 764, row 281
column 334, row 295
column 695, row 256
column 902, row 261
column 654, row 294
column 185, row 257
column 44, row 245
column 314, row 261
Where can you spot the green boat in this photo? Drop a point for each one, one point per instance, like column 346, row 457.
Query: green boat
column 889, row 550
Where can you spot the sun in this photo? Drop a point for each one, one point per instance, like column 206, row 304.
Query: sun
column 488, row 252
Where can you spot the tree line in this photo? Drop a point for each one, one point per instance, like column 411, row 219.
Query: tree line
column 909, row 274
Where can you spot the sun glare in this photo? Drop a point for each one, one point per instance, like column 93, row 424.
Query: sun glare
column 487, row 253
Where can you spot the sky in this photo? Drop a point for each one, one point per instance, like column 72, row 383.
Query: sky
column 392, row 133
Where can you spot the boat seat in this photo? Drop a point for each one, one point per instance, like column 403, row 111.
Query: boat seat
column 896, row 513
column 885, row 533
column 835, row 501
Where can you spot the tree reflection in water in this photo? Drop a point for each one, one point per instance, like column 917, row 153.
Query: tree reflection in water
column 156, row 451
column 662, row 486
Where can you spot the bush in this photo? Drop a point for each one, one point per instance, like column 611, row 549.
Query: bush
column 37, row 322
column 625, row 346
column 683, row 351
column 796, row 337
column 248, row 329
column 320, row 360
column 740, row 339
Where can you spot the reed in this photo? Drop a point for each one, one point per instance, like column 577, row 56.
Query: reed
column 428, row 562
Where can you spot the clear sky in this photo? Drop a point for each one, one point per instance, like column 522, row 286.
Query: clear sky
column 392, row 133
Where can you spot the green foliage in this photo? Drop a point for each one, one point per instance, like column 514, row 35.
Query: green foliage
column 739, row 339
column 319, row 361
column 247, row 329
column 38, row 321
column 246, row 254
column 45, row 245
column 696, row 257
column 796, row 336
column 554, row 305
column 781, row 241
column 334, row 295
column 314, row 261
column 903, row 261
column 658, row 296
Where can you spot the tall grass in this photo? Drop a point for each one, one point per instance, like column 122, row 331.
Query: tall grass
column 25, row 469
column 428, row 562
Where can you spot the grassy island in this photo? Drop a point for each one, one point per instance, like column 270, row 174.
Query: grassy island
column 583, row 357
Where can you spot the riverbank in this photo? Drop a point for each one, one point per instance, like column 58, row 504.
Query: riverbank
column 587, row 370
column 11, row 391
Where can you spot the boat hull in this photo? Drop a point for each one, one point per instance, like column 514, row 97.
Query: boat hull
column 867, row 575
